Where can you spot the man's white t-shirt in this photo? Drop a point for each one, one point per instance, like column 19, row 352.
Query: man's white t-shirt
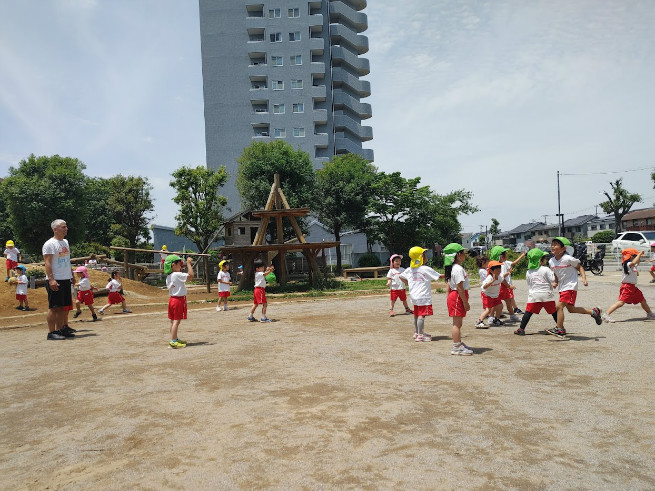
column 493, row 290
column 540, row 283
column 566, row 272
column 458, row 275
column 176, row 284
column 12, row 254
column 21, row 286
column 61, row 258
column 396, row 283
column 419, row 280
column 223, row 276
column 260, row 279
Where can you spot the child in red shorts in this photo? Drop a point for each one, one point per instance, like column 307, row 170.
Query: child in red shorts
column 397, row 286
column 490, row 292
column 629, row 293
column 84, row 292
column 541, row 282
column 115, row 286
column 21, row 288
column 176, row 284
column 260, row 290
column 458, row 294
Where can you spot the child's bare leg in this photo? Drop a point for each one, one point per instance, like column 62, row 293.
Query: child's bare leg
column 457, row 329
column 484, row 314
column 391, row 304
column 560, row 314
column 252, row 310
column 577, row 310
column 78, row 306
column 93, row 312
column 174, row 325
column 618, row 305
column 498, row 310
column 264, row 305
column 644, row 305
column 105, row 307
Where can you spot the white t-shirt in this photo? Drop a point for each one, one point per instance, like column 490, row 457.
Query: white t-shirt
column 260, row 280
column 494, row 290
column 162, row 256
column 21, row 285
column 419, row 280
column 507, row 265
column 84, row 285
column 61, row 258
column 631, row 276
column 483, row 274
column 396, row 284
column 12, row 253
column 175, row 282
column 457, row 275
column 113, row 286
column 223, row 276
column 566, row 272
column 540, row 281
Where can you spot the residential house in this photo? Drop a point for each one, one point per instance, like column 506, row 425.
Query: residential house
column 643, row 219
column 162, row 235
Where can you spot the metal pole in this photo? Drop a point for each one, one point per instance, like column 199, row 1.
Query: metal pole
column 559, row 211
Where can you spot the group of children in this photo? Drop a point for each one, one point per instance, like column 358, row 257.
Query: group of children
column 546, row 274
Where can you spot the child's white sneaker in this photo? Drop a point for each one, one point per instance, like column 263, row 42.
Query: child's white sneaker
column 650, row 316
column 423, row 338
column 514, row 318
column 218, row 309
column 606, row 318
column 461, row 349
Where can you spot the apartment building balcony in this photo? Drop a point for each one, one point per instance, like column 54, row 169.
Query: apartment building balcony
column 363, row 133
column 356, row 4
column 341, row 13
column 317, row 46
column 341, row 99
column 317, row 67
column 318, row 92
column 321, row 140
column 320, row 116
column 315, row 21
column 344, row 36
column 358, row 65
column 361, row 87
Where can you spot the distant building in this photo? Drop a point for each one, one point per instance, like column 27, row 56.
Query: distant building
column 643, row 219
column 162, row 235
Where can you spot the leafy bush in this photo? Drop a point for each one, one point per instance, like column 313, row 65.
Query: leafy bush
column 84, row 249
column 36, row 273
column 604, row 237
column 368, row 261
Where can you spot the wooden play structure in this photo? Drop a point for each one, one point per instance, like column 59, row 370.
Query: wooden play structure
column 277, row 208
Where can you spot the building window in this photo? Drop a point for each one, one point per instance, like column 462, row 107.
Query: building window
column 299, row 108
column 294, row 12
column 280, row 133
column 278, row 108
column 241, row 231
column 593, row 227
column 299, row 132
column 277, row 84
column 229, row 231
column 276, row 37
column 274, row 13
column 296, row 60
column 296, row 84
column 294, row 36
column 277, row 61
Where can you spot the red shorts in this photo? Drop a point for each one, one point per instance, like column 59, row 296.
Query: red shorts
column 399, row 295
column 490, row 302
column 85, row 297
column 505, row 293
column 21, row 297
column 11, row 265
column 455, row 304
column 536, row 307
column 652, row 268
column 223, row 294
column 115, row 297
column 568, row 296
column 260, row 295
column 629, row 293
column 177, row 308
column 422, row 310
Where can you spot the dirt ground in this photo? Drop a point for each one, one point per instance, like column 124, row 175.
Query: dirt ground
column 332, row 394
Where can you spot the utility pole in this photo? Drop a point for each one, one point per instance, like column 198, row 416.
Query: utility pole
column 559, row 209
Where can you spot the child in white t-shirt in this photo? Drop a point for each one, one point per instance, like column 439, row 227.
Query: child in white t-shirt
column 176, row 284
column 115, row 286
column 490, row 292
column 13, row 256
column 419, row 278
column 397, row 287
column 541, row 282
column 458, row 294
column 628, row 292
column 652, row 262
column 260, row 290
column 223, row 284
column 84, row 292
column 21, row 288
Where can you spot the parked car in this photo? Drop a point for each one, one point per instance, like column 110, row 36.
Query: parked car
column 638, row 239
column 521, row 247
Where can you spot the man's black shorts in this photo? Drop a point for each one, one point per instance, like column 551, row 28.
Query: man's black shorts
column 62, row 297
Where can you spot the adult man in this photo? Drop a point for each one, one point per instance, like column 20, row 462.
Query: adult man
column 56, row 254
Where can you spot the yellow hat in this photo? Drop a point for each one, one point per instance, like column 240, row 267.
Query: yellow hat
column 10, row 243
column 220, row 265
column 416, row 255
column 163, row 248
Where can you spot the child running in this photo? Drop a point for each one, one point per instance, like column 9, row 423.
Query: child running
column 114, row 286
column 541, row 281
column 260, row 290
column 223, row 284
column 629, row 293
column 566, row 268
column 490, row 292
column 13, row 256
column 499, row 253
column 21, row 288
column 652, row 262
column 458, row 294
column 84, row 292
column 176, row 284
column 397, row 286
column 419, row 278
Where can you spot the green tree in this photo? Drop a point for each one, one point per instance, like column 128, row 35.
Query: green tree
column 130, row 204
column 495, row 227
column 99, row 191
column 619, row 203
column 201, row 207
column 6, row 232
column 344, row 188
column 40, row 190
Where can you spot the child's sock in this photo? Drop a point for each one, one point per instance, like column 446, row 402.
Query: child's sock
column 420, row 322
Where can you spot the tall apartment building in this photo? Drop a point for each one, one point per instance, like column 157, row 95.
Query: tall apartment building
column 283, row 69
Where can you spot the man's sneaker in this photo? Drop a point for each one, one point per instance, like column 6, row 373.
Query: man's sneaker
column 423, row 338
column 497, row 322
column 409, row 311
column 176, row 344
column 518, row 311
column 606, row 318
column 514, row 318
column 481, row 325
column 55, row 336
column 595, row 313
column 520, row 332
column 77, row 314
column 127, row 311
column 461, row 349
column 265, row 319
column 650, row 316
column 560, row 333
column 251, row 318
column 66, row 331
column 391, row 313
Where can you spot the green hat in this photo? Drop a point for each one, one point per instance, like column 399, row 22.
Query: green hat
column 563, row 240
column 534, row 258
column 450, row 251
column 170, row 259
column 496, row 252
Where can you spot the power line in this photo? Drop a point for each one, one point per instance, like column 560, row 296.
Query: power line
column 606, row 173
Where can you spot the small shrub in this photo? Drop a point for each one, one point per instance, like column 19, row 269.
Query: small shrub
column 36, row 273
column 368, row 261
column 604, row 237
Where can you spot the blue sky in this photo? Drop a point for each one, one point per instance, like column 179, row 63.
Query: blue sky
column 493, row 97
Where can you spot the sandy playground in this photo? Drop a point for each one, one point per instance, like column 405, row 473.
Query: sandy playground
column 334, row 394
